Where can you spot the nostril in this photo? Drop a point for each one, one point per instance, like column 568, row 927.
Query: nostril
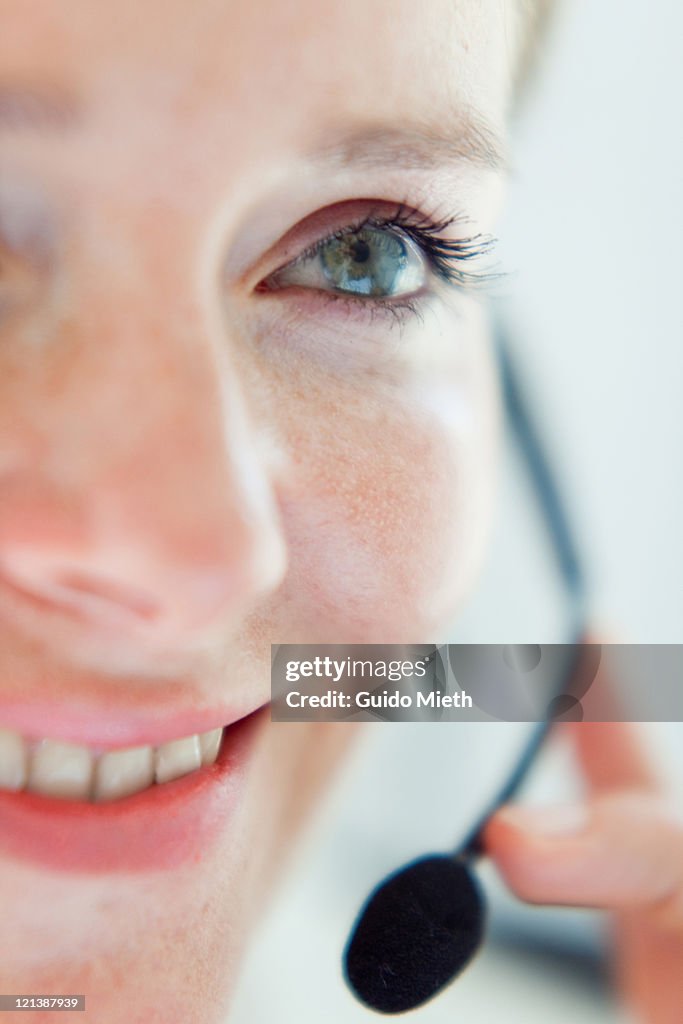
column 95, row 595
column 100, row 591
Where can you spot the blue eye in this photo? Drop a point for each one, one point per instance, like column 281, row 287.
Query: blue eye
column 368, row 261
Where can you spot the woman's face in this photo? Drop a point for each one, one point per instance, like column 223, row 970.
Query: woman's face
column 240, row 404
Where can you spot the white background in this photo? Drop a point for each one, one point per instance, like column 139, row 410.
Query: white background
column 594, row 236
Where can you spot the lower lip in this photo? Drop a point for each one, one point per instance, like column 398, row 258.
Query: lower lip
column 163, row 827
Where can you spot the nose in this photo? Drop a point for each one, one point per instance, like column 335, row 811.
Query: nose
column 121, row 563
column 140, row 493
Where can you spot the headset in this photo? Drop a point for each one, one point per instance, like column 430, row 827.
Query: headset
column 422, row 924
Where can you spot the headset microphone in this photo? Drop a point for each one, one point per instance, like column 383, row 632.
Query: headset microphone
column 422, row 925
column 417, row 931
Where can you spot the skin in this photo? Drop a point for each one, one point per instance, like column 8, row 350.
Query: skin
column 323, row 457
column 621, row 850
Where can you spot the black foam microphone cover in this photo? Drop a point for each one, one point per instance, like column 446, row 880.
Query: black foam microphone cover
column 416, row 932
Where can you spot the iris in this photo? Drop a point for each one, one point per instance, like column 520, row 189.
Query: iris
column 366, row 262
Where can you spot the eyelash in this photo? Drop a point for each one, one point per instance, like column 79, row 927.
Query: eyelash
column 452, row 260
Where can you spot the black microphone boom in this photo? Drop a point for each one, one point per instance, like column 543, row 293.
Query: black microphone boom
column 422, row 925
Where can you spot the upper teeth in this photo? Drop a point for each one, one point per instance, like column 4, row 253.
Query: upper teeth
column 74, row 772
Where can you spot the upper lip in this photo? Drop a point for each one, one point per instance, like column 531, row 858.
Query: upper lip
column 105, row 640
column 109, row 727
column 93, row 707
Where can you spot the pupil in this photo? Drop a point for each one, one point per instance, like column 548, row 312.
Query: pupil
column 360, row 251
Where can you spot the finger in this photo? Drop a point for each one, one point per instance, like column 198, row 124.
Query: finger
column 619, row 852
column 648, row 968
column 611, row 753
column 612, row 756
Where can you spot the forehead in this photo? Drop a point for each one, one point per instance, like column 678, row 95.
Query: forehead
column 217, row 118
column 264, row 66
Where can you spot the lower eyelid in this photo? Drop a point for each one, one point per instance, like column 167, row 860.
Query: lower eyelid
column 357, row 339
column 305, row 295
column 310, row 304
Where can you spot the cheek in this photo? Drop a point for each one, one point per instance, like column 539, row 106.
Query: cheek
column 389, row 518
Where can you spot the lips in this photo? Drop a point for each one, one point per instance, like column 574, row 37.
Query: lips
column 162, row 827
column 76, row 772
column 111, row 824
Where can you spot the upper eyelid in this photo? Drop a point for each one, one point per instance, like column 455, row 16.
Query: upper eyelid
column 312, row 250
column 446, row 259
column 369, row 220
column 314, row 229
column 315, row 247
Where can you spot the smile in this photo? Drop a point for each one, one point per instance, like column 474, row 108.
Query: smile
column 148, row 807
column 74, row 772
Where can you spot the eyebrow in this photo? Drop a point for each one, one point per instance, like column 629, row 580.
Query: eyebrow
column 415, row 145
column 36, row 108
